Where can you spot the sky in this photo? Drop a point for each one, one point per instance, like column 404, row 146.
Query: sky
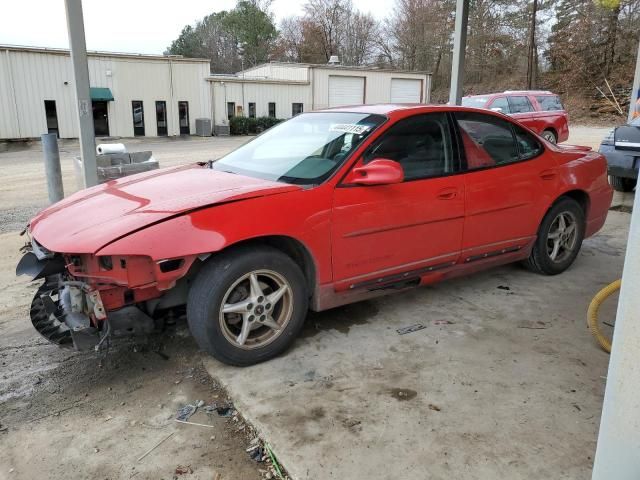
column 135, row 26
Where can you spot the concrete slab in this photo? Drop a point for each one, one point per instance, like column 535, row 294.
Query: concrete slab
column 505, row 381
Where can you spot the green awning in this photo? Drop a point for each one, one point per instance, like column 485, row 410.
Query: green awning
column 101, row 94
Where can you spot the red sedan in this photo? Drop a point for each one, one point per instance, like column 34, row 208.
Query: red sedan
column 325, row 209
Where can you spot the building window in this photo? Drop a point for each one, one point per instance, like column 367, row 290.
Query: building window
column 231, row 110
column 183, row 117
column 272, row 109
column 161, row 118
column 296, row 108
column 252, row 110
column 138, row 118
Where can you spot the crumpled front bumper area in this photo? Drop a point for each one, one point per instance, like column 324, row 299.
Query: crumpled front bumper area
column 70, row 314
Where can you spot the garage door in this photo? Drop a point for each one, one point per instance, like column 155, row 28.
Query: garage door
column 406, row 90
column 346, row 91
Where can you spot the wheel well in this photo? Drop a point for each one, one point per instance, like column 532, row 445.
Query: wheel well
column 552, row 130
column 292, row 248
column 579, row 196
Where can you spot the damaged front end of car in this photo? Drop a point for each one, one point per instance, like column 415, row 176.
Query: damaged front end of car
column 86, row 300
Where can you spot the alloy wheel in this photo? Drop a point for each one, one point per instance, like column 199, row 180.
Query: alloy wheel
column 562, row 237
column 256, row 309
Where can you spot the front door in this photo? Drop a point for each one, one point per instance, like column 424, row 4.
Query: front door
column 100, row 118
column 161, row 118
column 380, row 232
column 508, row 185
column 183, row 117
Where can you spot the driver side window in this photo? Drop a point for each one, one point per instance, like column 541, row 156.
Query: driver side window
column 421, row 144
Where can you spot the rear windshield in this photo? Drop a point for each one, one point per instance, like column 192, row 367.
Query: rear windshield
column 477, row 102
column 549, row 102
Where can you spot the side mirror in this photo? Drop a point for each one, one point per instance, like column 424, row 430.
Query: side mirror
column 380, row 171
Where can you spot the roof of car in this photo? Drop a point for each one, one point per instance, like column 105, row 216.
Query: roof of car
column 512, row 92
column 385, row 108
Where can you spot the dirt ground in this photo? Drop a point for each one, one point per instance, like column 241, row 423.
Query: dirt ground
column 70, row 415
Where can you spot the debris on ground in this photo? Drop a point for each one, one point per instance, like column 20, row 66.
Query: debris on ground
column 185, row 412
column 183, row 470
column 155, row 446
column 443, row 322
column 435, row 408
column 256, row 453
column 503, row 287
column 410, row 329
column 223, row 410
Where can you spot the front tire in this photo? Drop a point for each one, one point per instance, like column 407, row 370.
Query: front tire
column 559, row 239
column 247, row 305
column 622, row 184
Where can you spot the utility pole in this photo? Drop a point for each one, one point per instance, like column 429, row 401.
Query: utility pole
column 532, row 57
column 459, row 47
column 75, row 24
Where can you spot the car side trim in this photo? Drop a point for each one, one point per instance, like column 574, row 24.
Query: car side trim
column 401, row 277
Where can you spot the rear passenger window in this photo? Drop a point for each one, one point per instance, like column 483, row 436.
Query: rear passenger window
column 520, row 104
column 488, row 141
column 549, row 103
column 528, row 146
column 421, row 144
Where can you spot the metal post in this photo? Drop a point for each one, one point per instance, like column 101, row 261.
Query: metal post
column 618, row 451
column 75, row 24
column 633, row 106
column 459, row 47
column 52, row 168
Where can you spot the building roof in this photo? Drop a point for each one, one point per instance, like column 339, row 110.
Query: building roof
column 240, row 79
column 95, row 53
column 368, row 68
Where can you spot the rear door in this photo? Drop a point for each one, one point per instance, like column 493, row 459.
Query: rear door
column 521, row 108
column 509, row 182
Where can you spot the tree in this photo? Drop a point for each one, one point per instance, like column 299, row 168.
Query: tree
column 217, row 37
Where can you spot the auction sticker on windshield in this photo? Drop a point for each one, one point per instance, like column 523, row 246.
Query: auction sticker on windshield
column 349, row 128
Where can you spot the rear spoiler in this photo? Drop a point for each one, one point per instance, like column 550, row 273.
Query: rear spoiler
column 582, row 148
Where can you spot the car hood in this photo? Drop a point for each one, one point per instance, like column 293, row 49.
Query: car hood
column 92, row 218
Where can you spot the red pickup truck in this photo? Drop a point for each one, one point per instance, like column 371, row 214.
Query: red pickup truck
column 540, row 110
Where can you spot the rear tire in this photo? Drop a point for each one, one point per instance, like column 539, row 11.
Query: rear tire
column 559, row 238
column 622, row 184
column 247, row 305
column 550, row 136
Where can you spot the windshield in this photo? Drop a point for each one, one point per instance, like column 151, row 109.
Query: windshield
column 305, row 150
column 635, row 122
column 477, row 102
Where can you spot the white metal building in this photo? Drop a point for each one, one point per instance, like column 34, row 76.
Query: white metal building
column 155, row 95
column 284, row 89
column 132, row 95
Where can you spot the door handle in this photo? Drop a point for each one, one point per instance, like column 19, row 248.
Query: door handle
column 448, row 193
column 547, row 175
